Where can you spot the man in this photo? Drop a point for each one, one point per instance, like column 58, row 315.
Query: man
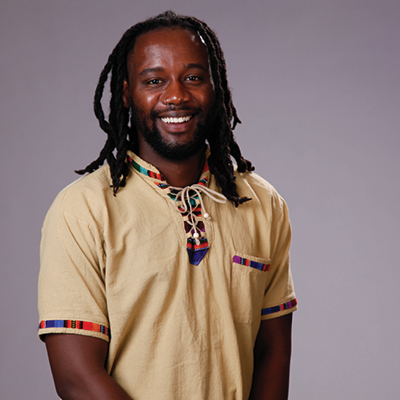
column 165, row 273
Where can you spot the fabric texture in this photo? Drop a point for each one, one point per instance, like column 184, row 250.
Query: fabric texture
column 181, row 314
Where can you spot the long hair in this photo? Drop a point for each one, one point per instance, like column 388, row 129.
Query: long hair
column 121, row 135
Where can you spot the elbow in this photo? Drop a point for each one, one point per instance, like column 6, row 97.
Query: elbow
column 68, row 389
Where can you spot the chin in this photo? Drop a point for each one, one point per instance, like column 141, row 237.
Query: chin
column 175, row 150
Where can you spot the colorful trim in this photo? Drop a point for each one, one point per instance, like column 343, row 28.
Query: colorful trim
column 250, row 263
column 73, row 324
column 204, row 180
column 281, row 307
column 145, row 171
column 192, row 245
column 196, row 252
column 162, row 185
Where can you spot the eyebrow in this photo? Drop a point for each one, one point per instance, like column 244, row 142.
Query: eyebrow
column 194, row 65
column 160, row 69
column 149, row 70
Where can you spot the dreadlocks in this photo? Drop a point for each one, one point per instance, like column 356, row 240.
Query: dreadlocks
column 122, row 135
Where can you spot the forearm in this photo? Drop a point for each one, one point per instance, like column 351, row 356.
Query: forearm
column 271, row 377
column 78, row 367
column 93, row 385
column 272, row 352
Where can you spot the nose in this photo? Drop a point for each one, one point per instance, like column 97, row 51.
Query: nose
column 176, row 94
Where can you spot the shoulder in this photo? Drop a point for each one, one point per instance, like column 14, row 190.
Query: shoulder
column 252, row 185
column 87, row 195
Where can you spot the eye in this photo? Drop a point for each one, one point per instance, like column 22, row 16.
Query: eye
column 154, row 81
column 193, row 78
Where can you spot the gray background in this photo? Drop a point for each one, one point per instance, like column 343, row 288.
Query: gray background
column 316, row 84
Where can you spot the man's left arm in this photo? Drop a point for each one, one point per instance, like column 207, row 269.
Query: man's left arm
column 272, row 353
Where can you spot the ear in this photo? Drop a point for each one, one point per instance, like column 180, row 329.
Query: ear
column 125, row 94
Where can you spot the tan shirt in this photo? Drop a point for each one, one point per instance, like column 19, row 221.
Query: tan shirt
column 181, row 315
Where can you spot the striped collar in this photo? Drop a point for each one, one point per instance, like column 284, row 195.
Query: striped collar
column 150, row 171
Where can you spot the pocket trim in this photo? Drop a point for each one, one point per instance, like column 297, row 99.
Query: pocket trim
column 250, row 263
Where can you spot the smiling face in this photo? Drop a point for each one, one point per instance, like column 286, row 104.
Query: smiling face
column 171, row 93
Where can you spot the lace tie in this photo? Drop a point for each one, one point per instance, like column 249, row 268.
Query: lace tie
column 188, row 193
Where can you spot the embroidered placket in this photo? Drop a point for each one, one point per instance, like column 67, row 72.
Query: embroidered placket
column 189, row 203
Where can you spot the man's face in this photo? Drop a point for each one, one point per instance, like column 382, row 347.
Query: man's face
column 171, row 93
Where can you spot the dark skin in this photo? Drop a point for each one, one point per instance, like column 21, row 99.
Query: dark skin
column 168, row 73
column 272, row 353
column 78, row 367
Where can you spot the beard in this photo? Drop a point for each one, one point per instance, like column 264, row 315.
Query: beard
column 171, row 151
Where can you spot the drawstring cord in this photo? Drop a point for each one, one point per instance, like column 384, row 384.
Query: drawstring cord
column 184, row 195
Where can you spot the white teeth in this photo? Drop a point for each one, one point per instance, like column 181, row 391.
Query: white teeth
column 175, row 120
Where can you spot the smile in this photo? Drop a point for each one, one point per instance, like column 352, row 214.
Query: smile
column 176, row 120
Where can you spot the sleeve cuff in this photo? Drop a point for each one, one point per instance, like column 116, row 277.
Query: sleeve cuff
column 85, row 328
column 279, row 310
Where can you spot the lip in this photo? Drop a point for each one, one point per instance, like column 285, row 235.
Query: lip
column 178, row 127
column 176, row 113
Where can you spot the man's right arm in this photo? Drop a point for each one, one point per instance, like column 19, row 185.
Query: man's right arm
column 78, row 366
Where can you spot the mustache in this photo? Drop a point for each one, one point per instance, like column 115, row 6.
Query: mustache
column 194, row 111
column 155, row 113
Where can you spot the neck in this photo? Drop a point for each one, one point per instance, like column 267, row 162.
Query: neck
column 177, row 173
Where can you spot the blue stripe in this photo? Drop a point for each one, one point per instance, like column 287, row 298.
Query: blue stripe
column 284, row 306
column 57, row 323
column 257, row 265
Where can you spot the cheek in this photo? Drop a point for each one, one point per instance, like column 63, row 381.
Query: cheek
column 208, row 100
column 145, row 102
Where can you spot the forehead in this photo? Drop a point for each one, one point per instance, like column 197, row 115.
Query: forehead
column 175, row 43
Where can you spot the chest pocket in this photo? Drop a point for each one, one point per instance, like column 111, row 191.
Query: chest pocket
column 248, row 285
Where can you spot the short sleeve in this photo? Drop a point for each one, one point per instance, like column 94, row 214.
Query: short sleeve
column 71, row 280
column 280, row 298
